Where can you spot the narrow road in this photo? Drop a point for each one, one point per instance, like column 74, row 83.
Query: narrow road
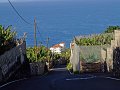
column 60, row 79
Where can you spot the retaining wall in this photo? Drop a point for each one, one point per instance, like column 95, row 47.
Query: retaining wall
column 11, row 60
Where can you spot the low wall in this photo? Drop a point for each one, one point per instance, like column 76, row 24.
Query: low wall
column 11, row 60
column 90, row 67
column 37, row 68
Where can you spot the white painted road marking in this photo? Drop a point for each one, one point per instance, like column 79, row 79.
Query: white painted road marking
column 81, row 78
column 113, row 78
column 12, row 82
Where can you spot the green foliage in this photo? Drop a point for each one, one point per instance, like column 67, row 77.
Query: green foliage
column 31, row 54
column 65, row 54
column 69, row 66
column 111, row 29
column 55, row 56
column 92, row 58
column 101, row 39
column 7, row 38
column 76, row 72
column 38, row 54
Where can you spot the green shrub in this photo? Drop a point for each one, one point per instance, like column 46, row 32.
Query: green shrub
column 69, row 66
column 36, row 54
column 7, row 38
column 76, row 72
column 100, row 39
column 111, row 29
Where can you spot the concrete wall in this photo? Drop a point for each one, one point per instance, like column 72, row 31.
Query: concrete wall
column 105, row 53
column 75, row 58
column 11, row 60
column 109, row 59
column 85, row 52
column 117, row 38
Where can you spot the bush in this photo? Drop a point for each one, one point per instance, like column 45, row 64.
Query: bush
column 69, row 66
column 100, row 39
column 7, row 39
column 36, row 54
column 76, row 72
column 111, row 29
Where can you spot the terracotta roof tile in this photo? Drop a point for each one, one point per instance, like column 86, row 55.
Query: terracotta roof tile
column 56, row 46
column 62, row 43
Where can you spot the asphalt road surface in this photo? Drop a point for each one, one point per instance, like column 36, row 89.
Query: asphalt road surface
column 60, row 79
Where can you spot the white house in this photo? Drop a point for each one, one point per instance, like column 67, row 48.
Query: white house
column 58, row 48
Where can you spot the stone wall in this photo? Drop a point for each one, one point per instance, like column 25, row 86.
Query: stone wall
column 37, row 68
column 91, row 67
column 11, row 60
column 107, row 55
column 116, row 61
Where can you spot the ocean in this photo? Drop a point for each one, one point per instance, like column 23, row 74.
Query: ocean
column 60, row 20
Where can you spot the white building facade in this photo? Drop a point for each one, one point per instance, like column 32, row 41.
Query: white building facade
column 58, row 48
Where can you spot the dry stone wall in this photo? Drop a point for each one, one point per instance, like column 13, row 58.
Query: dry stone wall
column 37, row 68
column 11, row 60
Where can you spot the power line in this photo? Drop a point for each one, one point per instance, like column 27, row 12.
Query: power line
column 23, row 18
column 18, row 13
column 39, row 33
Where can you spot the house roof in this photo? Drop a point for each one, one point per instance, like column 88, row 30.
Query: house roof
column 58, row 45
column 62, row 43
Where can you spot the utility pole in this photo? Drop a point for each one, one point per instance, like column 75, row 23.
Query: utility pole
column 48, row 42
column 48, row 56
column 35, row 39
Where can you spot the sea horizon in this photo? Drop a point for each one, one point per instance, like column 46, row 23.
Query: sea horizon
column 60, row 21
